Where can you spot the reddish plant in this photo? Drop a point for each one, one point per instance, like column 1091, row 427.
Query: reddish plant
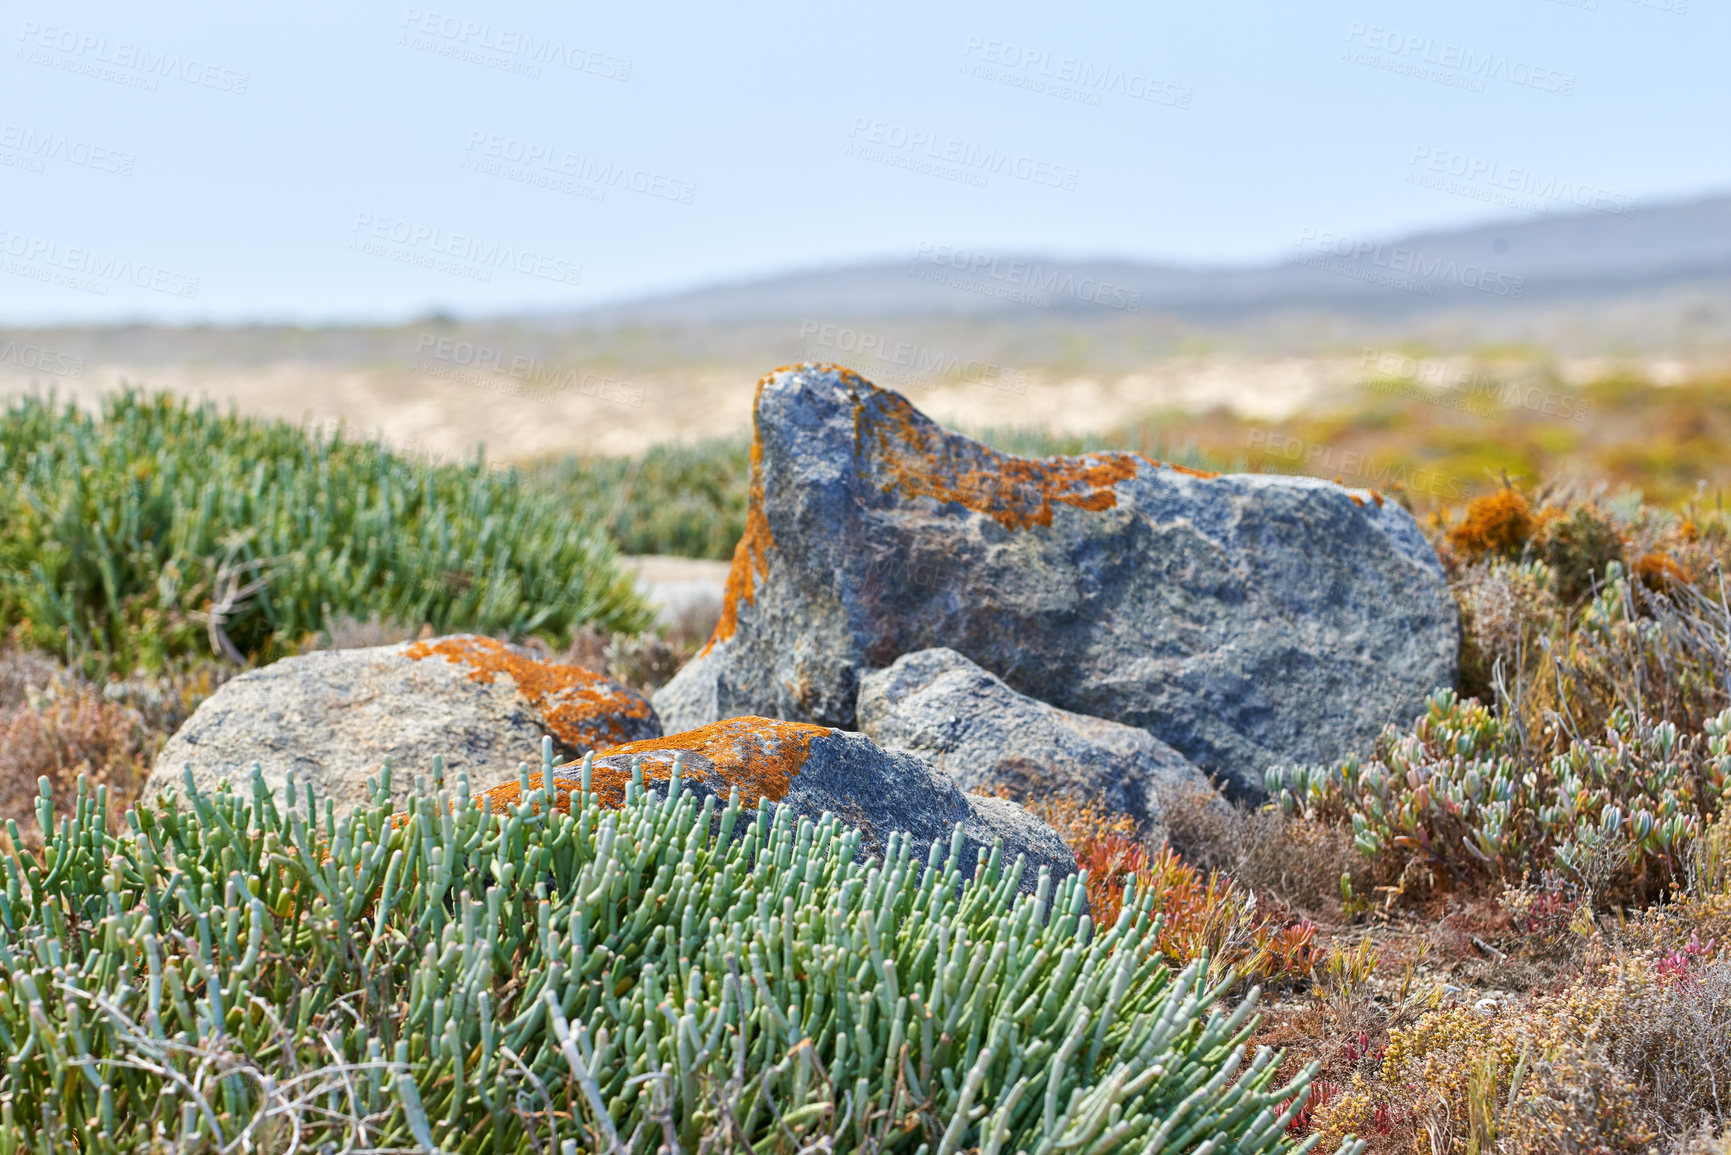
column 1321, row 1092
column 1197, row 912
column 1676, row 965
column 1111, row 857
column 1359, row 1049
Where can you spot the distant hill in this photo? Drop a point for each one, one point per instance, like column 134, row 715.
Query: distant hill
column 1550, row 260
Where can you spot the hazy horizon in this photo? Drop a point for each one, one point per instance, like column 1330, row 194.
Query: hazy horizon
column 322, row 164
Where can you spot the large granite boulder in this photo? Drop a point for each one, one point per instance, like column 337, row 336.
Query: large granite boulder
column 816, row 770
column 1244, row 619
column 968, row 723
column 332, row 718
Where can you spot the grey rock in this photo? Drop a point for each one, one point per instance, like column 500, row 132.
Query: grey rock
column 971, row 725
column 332, row 718
column 819, row 770
column 1246, row 619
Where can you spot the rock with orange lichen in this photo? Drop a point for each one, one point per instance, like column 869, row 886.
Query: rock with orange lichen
column 1245, row 620
column 815, row 770
column 333, row 717
column 938, row 705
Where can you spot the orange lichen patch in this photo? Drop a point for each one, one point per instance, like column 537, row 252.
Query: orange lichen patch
column 1359, row 501
column 1499, row 522
column 580, row 707
column 751, row 555
column 1659, row 571
column 760, row 756
column 903, row 451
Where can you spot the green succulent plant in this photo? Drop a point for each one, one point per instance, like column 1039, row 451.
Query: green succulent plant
column 161, row 529
column 248, row 972
column 1457, row 793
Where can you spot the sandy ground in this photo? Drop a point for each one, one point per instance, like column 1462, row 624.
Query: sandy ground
column 444, row 415
column 685, row 591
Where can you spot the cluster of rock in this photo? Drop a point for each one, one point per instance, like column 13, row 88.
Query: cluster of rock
column 1244, row 620
column 914, row 621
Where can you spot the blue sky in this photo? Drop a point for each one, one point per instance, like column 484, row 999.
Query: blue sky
column 328, row 162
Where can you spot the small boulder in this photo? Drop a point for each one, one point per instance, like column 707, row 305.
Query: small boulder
column 816, row 770
column 332, row 718
column 1247, row 620
column 971, row 725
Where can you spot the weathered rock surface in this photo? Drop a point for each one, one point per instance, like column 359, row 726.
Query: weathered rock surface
column 1245, row 619
column 333, row 717
column 816, row 770
column 968, row 723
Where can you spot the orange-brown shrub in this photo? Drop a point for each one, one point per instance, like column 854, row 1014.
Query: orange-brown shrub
column 1498, row 522
column 1659, row 571
column 1198, row 912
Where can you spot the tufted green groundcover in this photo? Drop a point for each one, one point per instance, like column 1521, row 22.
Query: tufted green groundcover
column 222, row 974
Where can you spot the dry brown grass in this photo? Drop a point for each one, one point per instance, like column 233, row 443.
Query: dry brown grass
column 1301, row 864
column 65, row 731
column 1473, row 1032
column 54, row 724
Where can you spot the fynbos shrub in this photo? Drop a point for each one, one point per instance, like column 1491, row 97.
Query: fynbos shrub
column 1457, row 794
